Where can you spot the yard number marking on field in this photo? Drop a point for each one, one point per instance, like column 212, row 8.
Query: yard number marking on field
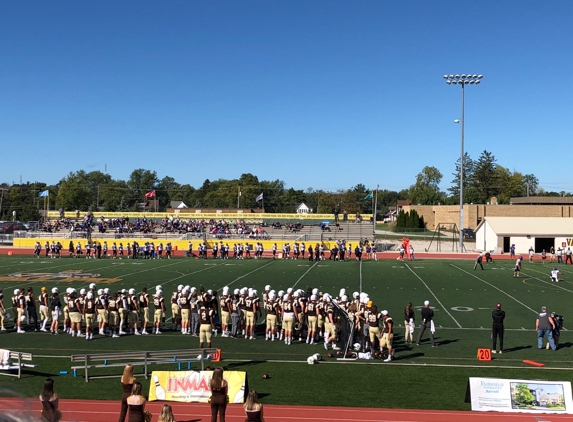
column 435, row 297
column 495, row 287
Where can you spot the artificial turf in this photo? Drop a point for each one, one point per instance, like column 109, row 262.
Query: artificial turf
column 462, row 298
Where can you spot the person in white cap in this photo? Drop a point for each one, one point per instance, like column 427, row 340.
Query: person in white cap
column 427, row 318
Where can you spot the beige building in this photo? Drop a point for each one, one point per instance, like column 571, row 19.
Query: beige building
column 539, row 233
column 474, row 214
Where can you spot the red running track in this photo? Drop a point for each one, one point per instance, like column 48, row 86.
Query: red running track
column 101, row 411
column 267, row 254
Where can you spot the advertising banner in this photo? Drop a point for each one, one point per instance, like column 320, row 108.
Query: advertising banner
column 193, row 386
column 510, row 395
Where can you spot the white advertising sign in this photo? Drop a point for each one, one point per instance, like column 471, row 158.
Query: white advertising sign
column 525, row 396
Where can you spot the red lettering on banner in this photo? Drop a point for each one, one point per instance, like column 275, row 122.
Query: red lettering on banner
column 187, row 384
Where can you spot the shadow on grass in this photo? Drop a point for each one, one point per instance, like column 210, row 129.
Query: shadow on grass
column 409, row 356
column 515, row 349
column 242, row 364
column 444, row 342
column 565, row 345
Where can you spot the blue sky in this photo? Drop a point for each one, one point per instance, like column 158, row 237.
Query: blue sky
column 321, row 94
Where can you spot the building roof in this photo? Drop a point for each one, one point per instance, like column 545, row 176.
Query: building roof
column 178, row 204
column 542, row 200
column 530, row 226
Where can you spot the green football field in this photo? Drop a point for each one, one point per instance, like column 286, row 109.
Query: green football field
column 461, row 297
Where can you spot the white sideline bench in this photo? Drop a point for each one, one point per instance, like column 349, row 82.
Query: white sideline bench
column 17, row 357
column 102, row 360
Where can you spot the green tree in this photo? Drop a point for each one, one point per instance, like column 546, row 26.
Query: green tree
column 485, row 178
column 523, row 396
column 140, row 182
column 469, row 168
column 112, row 196
column 74, row 193
column 426, row 189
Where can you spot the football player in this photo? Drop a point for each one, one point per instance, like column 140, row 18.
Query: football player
column 272, row 309
column 387, row 335
column 159, row 305
column 44, row 309
column 312, row 315
column 175, row 311
column 207, row 325
column 56, row 306
column 133, row 316
column 113, row 309
column 144, row 309
column 288, row 315
column 89, row 311
column 185, row 306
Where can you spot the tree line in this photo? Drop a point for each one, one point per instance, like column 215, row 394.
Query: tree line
column 99, row 192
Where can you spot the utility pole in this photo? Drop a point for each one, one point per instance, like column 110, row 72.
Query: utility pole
column 2, row 199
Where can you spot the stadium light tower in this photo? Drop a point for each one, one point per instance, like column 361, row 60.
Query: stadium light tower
column 462, row 80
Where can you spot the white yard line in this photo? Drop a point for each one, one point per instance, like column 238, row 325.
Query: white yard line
column 302, row 276
column 244, row 275
column 551, row 283
column 495, row 287
column 435, row 297
column 360, row 277
column 191, row 273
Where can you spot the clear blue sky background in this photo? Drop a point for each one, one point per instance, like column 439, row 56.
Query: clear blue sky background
column 322, row 94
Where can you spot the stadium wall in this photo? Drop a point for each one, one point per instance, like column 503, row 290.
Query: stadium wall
column 178, row 245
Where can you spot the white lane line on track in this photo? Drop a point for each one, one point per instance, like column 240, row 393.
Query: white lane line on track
column 435, row 297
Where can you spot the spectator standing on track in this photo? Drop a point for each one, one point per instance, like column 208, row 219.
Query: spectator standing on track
column 166, row 414
column 219, row 395
column 127, row 381
column 568, row 254
column 136, row 404
column 559, row 256
column 427, row 323
column 253, row 409
column 479, row 260
column 544, row 326
column 50, row 402
column 497, row 329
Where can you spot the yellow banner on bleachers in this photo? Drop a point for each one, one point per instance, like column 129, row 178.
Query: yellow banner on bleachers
column 193, row 386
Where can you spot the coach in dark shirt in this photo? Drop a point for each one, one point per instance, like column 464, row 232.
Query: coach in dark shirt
column 497, row 330
column 427, row 317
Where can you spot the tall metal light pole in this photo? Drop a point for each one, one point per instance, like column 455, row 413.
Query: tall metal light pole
column 462, row 80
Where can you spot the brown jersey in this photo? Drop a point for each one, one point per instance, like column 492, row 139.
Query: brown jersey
column 159, row 303
column 205, row 316
column 89, row 306
column 271, row 307
column 372, row 316
column 224, row 303
column 312, row 309
column 184, row 302
column 388, row 324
